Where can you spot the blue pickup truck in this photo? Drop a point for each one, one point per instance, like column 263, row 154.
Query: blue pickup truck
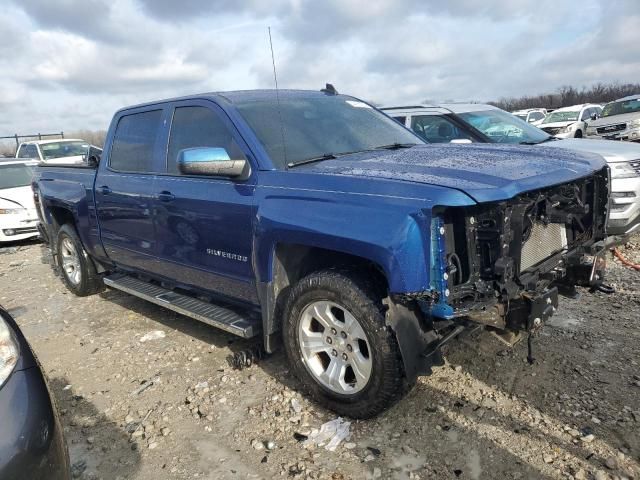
column 313, row 221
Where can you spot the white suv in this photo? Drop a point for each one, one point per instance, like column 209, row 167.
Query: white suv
column 531, row 115
column 620, row 121
column 570, row 122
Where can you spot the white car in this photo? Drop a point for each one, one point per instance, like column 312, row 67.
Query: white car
column 570, row 122
column 531, row 115
column 474, row 122
column 18, row 217
column 55, row 152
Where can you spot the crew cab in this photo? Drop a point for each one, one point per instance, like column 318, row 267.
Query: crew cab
column 475, row 122
column 314, row 221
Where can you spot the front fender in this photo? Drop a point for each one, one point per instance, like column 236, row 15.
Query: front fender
column 390, row 236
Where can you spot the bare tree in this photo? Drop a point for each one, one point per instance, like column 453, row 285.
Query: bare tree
column 568, row 95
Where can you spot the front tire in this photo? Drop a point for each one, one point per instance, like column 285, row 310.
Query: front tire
column 77, row 270
column 578, row 134
column 338, row 345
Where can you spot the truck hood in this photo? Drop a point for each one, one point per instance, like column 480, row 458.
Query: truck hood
column 614, row 119
column 485, row 172
column 611, row 151
column 17, row 197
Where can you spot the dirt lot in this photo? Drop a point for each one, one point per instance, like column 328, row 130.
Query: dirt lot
column 173, row 408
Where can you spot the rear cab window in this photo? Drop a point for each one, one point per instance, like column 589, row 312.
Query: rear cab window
column 135, row 140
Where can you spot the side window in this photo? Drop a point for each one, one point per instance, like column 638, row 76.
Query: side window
column 437, row 129
column 28, row 151
column 401, row 120
column 198, row 127
column 586, row 114
column 535, row 116
column 134, row 140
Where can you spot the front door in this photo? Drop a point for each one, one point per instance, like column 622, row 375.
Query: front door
column 204, row 224
column 124, row 190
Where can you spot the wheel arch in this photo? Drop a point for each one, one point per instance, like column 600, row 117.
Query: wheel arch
column 291, row 262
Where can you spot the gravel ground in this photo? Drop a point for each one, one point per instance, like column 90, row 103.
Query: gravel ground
column 173, row 408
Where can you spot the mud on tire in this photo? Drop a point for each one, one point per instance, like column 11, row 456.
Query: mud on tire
column 355, row 295
column 76, row 269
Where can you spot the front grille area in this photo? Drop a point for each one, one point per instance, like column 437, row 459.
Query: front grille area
column 635, row 164
column 552, row 130
column 544, row 241
column 611, row 128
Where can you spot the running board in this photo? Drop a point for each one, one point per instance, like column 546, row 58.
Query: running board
column 214, row 315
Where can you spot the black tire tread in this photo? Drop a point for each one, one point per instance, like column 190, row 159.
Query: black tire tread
column 360, row 292
column 91, row 282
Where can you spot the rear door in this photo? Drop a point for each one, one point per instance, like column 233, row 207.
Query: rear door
column 204, row 224
column 124, row 188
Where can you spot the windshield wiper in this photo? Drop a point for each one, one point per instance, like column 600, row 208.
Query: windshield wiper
column 319, row 158
column 395, row 146
column 548, row 139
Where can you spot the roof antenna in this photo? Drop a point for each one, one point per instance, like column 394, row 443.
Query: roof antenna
column 275, row 79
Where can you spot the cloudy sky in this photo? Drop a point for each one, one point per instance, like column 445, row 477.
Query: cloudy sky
column 68, row 64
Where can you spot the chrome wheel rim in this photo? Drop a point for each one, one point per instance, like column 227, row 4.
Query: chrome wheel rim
column 70, row 261
column 334, row 347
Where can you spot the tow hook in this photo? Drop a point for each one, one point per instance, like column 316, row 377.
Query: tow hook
column 536, row 325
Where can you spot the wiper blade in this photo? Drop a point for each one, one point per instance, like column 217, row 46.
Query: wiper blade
column 319, row 158
column 548, row 139
column 395, row 146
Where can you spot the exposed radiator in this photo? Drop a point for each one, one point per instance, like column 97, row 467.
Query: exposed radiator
column 543, row 242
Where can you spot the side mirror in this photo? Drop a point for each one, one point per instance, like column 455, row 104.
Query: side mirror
column 212, row 161
column 463, row 141
column 594, row 116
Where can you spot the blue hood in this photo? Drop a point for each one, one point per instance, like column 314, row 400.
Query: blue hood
column 485, row 172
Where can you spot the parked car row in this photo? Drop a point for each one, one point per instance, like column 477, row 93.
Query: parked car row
column 617, row 120
column 488, row 124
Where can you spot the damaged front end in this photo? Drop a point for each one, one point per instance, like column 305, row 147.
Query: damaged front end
column 504, row 264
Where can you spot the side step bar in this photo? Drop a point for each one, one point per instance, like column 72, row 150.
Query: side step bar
column 214, row 315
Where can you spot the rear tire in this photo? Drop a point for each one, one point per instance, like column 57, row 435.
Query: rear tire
column 339, row 346
column 76, row 268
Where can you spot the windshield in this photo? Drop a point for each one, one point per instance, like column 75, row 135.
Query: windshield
column 12, row 176
column 566, row 116
column 63, row 149
column 618, row 108
column 315, row 126
column 502, row 127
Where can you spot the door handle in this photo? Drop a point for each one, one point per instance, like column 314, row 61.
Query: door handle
column 166, row 196
column 105, row 190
